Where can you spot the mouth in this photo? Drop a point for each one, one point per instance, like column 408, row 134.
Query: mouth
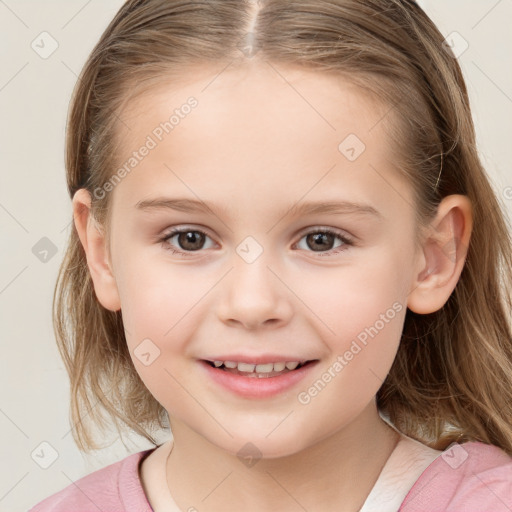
column 260, row 379
column 259, row 371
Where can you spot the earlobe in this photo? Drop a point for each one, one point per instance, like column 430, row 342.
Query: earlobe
column 443, row 255
column 93, row 241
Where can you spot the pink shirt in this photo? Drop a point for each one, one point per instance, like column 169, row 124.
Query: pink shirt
column 472, row 477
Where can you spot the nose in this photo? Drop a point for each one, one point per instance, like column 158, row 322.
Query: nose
column 253, row 297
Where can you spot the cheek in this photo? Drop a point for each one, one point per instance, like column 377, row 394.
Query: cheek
column 352, row 298
column 367, row 324
column 160, row 304
column 364, row 312
column 156, row 295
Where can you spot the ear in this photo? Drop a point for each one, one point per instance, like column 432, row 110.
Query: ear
column 95, row 247
column 442, row 255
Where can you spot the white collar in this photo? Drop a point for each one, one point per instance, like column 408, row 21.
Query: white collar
column 404, row 466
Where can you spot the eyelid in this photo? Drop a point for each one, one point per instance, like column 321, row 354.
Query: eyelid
column 185, row 227
column 312, row 229
column 176, row 230
column 348, row 239
column 327, row 229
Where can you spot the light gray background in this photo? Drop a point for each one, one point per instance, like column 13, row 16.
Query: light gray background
column 34, row 97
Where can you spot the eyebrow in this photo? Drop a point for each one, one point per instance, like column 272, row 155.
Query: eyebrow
column 311, row 207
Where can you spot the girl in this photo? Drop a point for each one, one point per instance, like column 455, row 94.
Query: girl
column 285, row 248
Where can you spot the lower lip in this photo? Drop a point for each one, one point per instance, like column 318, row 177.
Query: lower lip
column 255, row 387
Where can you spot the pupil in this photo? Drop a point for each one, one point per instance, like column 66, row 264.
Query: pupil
column 321, row 240
column 188, row 239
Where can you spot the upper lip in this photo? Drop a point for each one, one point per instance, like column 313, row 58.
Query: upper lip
column 258, row 359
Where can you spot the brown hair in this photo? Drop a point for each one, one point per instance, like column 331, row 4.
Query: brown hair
column 452, row 377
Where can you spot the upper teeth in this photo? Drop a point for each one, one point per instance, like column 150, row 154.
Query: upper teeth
column 258, row 368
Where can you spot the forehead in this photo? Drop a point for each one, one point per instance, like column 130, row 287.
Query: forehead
column 258, row 127
column 259, row 97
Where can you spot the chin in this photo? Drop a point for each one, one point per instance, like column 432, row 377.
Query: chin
column 259, row 446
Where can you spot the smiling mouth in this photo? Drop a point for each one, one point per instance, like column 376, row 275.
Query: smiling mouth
column 260, row 371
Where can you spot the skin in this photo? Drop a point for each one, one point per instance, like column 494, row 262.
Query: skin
column 255, row 146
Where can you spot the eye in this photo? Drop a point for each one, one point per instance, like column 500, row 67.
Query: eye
column 187, row 240
column 320, row 240
column 323, row 240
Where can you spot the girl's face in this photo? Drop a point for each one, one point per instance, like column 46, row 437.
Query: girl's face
column 255, row 164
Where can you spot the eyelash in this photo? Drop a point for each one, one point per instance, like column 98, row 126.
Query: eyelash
column 347, row 241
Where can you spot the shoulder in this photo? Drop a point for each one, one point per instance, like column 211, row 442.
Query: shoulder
column 111, row 489
column 471, row 476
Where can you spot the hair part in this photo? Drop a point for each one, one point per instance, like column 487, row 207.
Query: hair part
column 452, row 376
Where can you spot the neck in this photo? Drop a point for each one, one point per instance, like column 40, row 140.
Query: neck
column 336, row 473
